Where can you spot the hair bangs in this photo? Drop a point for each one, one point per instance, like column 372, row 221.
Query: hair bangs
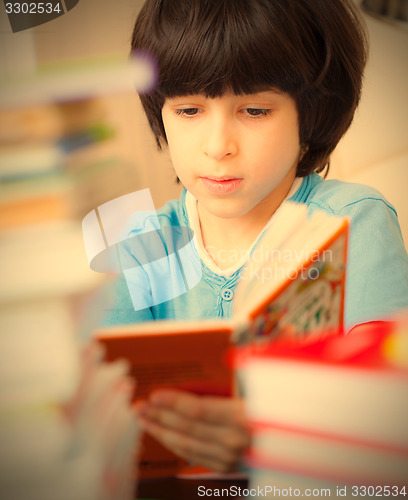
column 223, row 50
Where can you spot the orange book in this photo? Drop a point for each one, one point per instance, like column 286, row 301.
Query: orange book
column 293, row 284
column 191, row 360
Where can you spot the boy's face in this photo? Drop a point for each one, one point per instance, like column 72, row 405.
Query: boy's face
column 236, row 154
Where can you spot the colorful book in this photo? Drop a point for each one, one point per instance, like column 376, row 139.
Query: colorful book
column 295, row 277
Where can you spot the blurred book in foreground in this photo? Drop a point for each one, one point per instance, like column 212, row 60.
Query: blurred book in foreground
column 66, row 426
column 332, row 412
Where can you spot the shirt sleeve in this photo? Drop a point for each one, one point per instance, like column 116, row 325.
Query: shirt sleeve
column 121, row 310
column 377, row 272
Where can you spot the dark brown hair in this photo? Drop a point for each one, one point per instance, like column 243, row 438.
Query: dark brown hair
column 314, row 50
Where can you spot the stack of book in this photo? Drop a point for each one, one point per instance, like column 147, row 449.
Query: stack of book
column 57, row 162
column 66, row 426
column 59, row 159
column 331, row 414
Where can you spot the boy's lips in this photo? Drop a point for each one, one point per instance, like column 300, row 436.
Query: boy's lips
column 221, row 185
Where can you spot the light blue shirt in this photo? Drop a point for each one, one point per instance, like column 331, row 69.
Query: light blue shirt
column 377, row 272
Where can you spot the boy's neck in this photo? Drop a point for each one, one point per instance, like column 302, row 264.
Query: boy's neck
column 222, row 235
column 227, row 234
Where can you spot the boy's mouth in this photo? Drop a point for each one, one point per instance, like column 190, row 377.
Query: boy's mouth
column 221, row 185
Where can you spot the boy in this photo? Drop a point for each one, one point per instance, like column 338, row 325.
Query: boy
column 252, row 98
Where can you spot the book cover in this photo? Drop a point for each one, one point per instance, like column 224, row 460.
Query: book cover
column 194, row 360
column 294, row 281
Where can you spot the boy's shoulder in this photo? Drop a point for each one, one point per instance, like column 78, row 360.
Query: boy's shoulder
column 172, row 213
column 337, row 197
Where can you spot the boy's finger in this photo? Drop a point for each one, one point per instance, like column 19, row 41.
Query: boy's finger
column 210, row 409
column 220, row 433
column 208, row 453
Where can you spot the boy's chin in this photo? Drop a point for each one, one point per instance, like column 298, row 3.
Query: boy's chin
column 223, row 208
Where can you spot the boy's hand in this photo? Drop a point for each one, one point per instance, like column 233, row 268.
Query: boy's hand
column 208, row 431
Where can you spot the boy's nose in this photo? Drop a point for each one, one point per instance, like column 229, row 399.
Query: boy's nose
column 220, row 143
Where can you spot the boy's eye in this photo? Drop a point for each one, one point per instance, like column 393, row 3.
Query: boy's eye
column 187, row 111
column 255, row 112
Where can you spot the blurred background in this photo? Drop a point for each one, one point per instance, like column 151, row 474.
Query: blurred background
column 374, row 151
column 63, row 156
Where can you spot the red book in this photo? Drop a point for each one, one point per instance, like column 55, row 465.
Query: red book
column 336, row 408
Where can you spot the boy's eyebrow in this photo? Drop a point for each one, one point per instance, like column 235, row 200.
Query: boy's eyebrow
column 274, row 90
column 265, row 94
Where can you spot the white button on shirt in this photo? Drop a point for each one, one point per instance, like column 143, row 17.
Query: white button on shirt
column 227, row 294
